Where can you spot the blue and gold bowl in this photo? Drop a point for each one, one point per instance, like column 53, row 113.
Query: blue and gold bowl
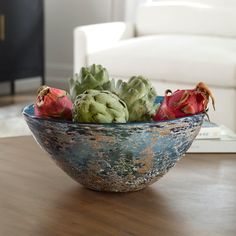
column 114, row 157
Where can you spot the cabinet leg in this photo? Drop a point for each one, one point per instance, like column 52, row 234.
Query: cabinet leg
column 12, row 87
column 42, row 80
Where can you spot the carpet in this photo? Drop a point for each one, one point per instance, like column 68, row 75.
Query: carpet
column 12, row 122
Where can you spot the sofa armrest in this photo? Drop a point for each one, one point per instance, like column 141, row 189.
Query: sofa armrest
column 92, row 38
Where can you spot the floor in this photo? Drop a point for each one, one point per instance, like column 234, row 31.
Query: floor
column 11, row 119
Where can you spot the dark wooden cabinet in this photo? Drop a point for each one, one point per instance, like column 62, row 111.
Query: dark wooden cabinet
column 21, row 40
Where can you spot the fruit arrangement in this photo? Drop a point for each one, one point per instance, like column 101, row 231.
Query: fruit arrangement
column 95, row 98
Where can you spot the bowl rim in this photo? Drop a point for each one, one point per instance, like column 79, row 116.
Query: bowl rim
column 33, row 117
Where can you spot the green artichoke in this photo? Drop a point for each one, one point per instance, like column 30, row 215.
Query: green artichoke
column 92, row 77
column 139, row 96
column 94, row 106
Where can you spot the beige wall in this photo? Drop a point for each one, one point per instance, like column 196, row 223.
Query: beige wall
column 61, row 17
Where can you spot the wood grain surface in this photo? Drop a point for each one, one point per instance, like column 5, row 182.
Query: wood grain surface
column 197, row 197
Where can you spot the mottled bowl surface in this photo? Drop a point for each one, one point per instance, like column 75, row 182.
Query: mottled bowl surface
column 114, row 157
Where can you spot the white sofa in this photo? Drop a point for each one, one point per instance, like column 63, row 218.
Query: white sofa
column 173, row 43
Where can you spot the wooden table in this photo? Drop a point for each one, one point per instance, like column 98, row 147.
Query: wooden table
column 197, row 197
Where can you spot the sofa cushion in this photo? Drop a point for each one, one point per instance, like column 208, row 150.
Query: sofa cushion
column 186, row 17
column 174, row 58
